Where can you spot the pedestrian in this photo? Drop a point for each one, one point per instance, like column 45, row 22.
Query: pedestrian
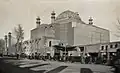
column 17, row 56
column 70, row 58
column 104, row 59
column 32, row 55
column 90, row 59
column 64, row 58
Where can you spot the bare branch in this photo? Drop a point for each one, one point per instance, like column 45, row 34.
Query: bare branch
column 118, row 28
column 19, row 33
column 117, row 35
column 118, row 25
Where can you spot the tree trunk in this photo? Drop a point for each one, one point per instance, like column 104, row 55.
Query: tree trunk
column 21, row 47
column 17, row 49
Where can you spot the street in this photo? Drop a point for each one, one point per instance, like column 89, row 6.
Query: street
column 39, row 66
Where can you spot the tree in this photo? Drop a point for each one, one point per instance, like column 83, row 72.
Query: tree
column 118, row 28
column 19, row 33
column 2, row 45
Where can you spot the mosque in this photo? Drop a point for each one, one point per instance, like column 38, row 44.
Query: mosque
column 66, row 28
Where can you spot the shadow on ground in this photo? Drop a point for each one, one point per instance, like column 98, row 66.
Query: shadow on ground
column 9, row 68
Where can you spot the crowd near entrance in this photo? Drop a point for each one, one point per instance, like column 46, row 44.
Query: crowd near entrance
column 67, row 54
column 73, row 54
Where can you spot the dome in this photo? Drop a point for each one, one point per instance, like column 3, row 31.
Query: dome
column 68, row 14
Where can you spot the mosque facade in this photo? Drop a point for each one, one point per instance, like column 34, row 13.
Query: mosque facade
column 67, row 28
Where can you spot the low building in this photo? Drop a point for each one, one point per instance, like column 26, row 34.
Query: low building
column 107, row 49
column 102, row 47
column 92, row 49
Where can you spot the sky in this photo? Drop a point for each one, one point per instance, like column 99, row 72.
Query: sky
column 14, row 12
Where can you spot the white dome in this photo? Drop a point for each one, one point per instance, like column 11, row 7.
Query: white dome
column 68, row 14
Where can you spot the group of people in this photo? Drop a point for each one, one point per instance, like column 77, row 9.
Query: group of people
column 102, row 59
column 87, row 59
column 116, row 62
column 48, row 57
column 113, row 61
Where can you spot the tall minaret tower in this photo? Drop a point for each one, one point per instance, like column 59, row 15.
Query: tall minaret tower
column 9, row 42
column 90, row 21
column 6, row 49
column 52, row 17
column 38, row 21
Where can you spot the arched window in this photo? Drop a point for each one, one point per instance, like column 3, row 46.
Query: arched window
column 50, row 44
column 82, row 49
column 106, row 46
column 116, row 45
column 102, row 47
column 111, row 46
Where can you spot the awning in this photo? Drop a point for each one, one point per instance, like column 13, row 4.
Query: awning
column 58, row 46
column 48, row 51
column 112, row 50
column 92, row 50
column 68, row 48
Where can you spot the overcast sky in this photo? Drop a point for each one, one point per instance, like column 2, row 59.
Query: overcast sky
column 13, row 12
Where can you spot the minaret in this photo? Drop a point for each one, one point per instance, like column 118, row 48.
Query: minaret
column 9, row 42
column 77, row 13
column 6, row 49
column 52, row 17
column 90, row 21
column 38, row 21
